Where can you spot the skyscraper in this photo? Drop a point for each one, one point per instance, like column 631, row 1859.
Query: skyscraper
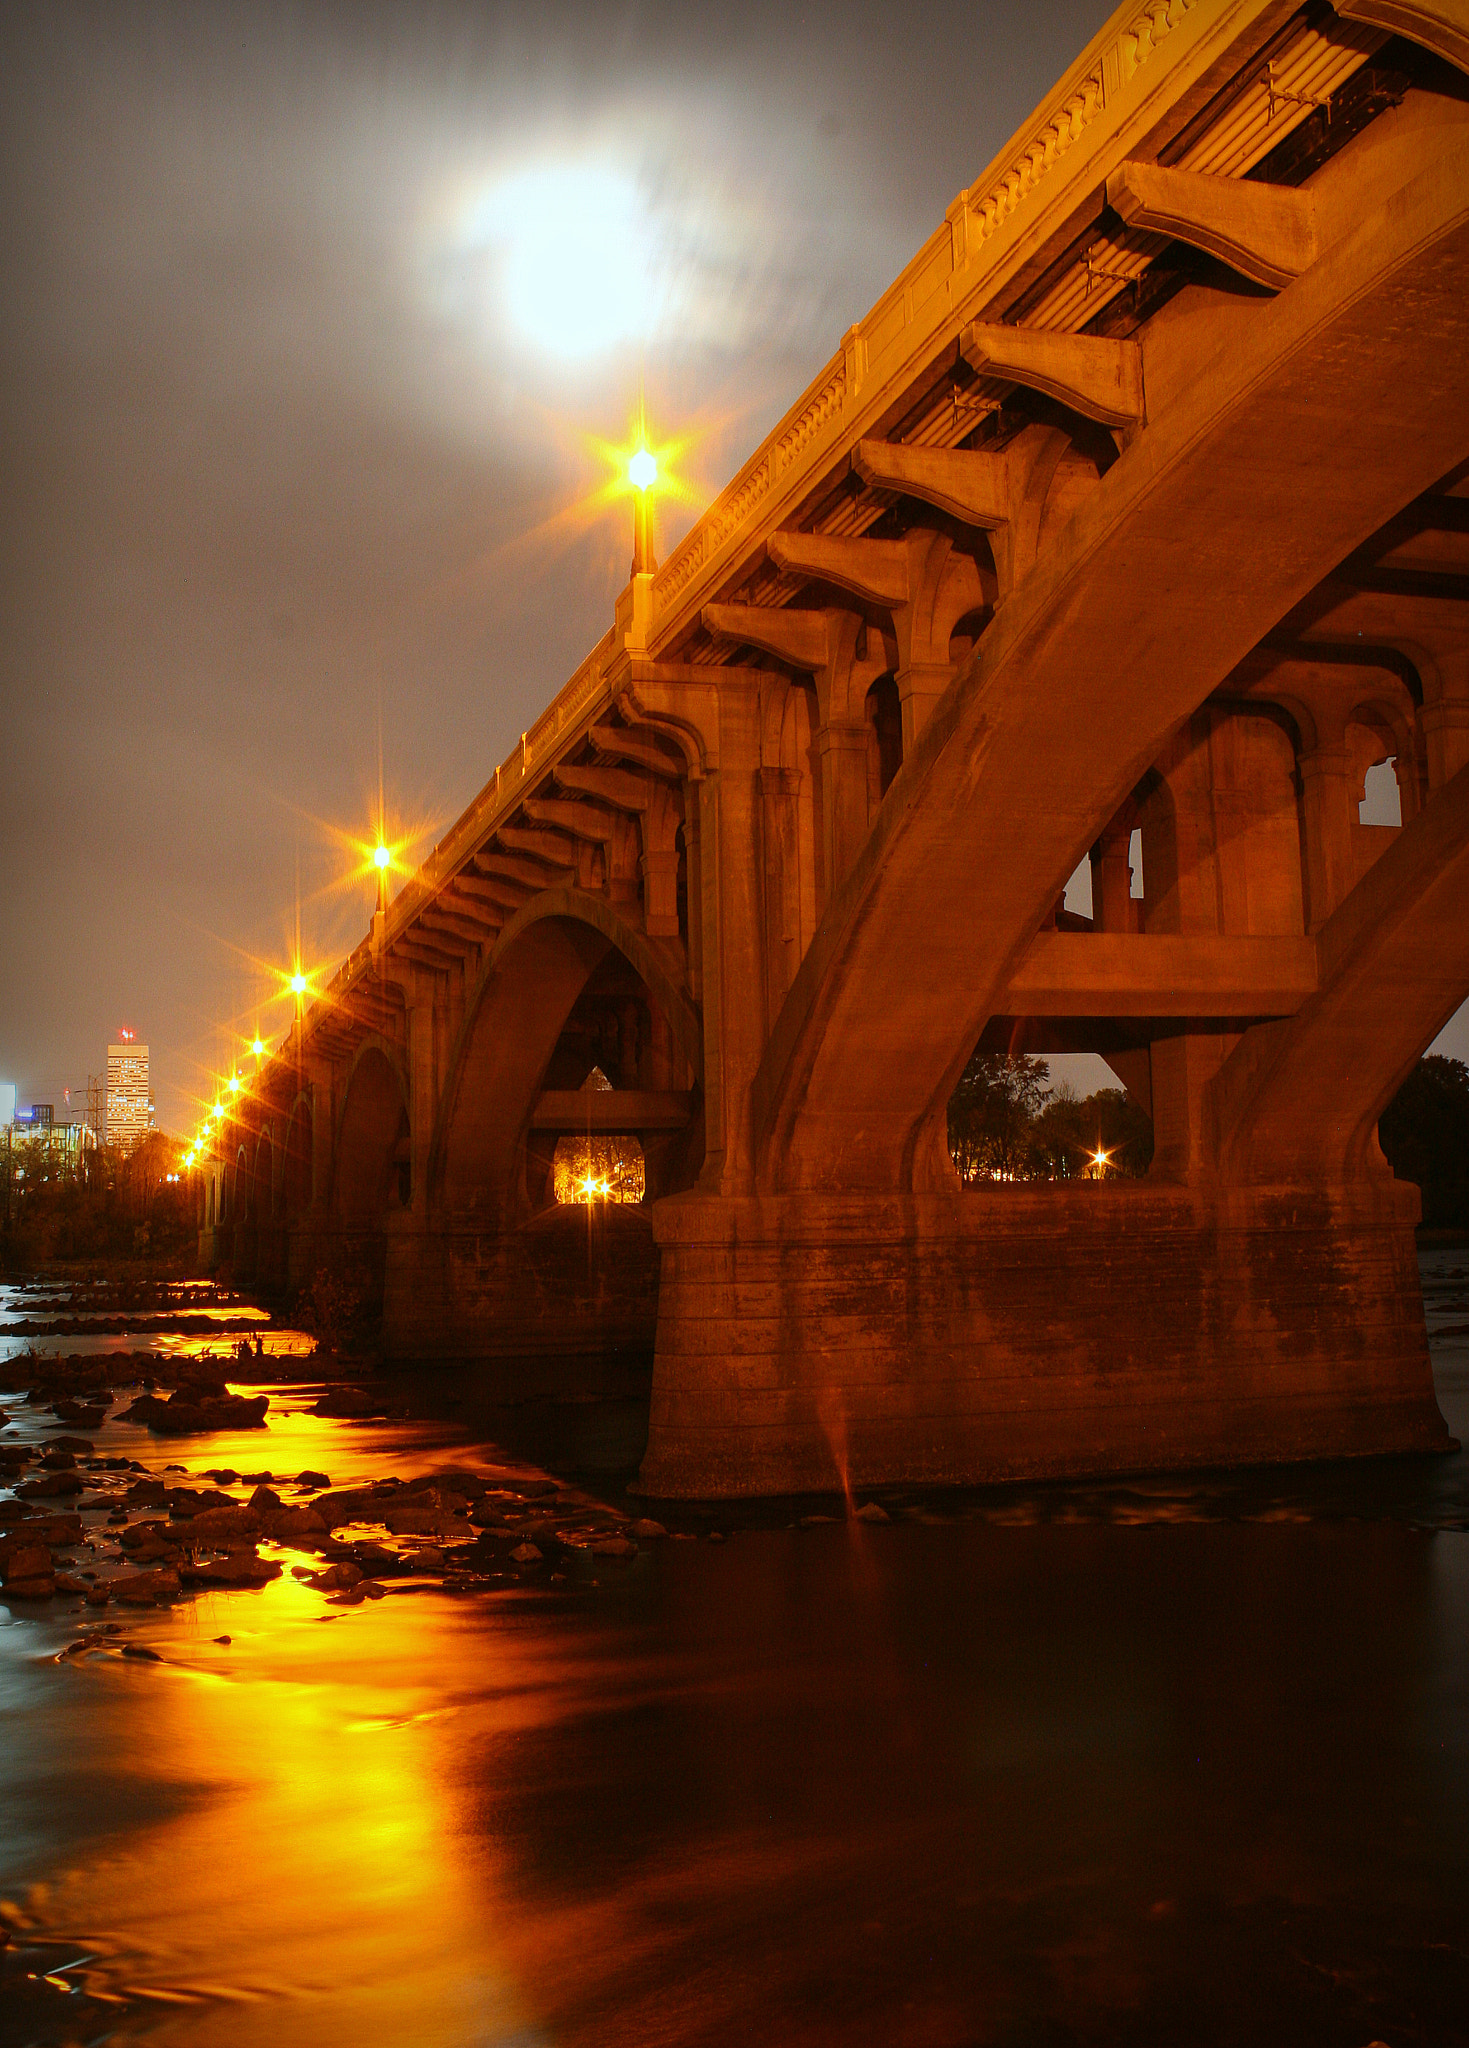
column 129, row 1108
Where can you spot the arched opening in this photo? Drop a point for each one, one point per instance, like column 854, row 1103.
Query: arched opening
column 560, row 999
column 884, row 714
column 296, row 1180
column 372, row 1171
column 598, row 1169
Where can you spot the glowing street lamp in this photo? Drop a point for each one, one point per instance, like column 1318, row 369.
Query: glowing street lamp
column 642, row 474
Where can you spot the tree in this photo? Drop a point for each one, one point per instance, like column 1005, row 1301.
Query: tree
column 1424, row 1132
column 990, row 1114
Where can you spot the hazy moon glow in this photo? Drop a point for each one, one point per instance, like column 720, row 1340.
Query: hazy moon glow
column 576, row 252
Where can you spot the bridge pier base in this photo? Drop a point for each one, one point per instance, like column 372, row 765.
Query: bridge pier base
column 805, row 1341
column 571, row 1296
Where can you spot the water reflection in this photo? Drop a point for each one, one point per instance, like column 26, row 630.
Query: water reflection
column 1081, row 1765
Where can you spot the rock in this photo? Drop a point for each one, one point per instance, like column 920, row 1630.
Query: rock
column 337, row 1577
column 648, row 1529
column 350, row 1596
column 204, row 1406
column 222, row 1527
column 97, row 1596
column 262, row 1498
column 141, row 1651
column 425, row 1522
column 871, row 1512
column 814, row 1521
column 49, row 1485
column 315, row 1480
column 58, row 1460
column 222, row 1475
column 30, row 1589
column 27, row 1561
column 238, row 1568
column 79, row 1446
column 146, row 1493
column 613, row 1546
column 716, row 1535
column 255, row 1478
column 371, row 1590
column 143, row 1589
column 65, row 1583
column 526, row 1553
column 431, row 1559
column 294, row 1525
column 349, row 1404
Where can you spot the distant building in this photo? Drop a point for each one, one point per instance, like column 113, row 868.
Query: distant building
column 7, row 1103
column 38, row 1114
column 129, row 1102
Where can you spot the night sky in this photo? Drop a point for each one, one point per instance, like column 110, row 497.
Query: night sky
column 312, row 316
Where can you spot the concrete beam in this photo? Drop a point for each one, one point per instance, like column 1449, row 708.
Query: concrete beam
column 968, row 485
column 619, row 745
column 875, row 571
column 1094, row 375
column 800, row 638
column 532, row 874
column 590, row 1110
column 551, row 847
column 1162, row 974
column 439, row 918
column 1265, row 232
column 1439, row 25
column 624, row 790
column 588, row 821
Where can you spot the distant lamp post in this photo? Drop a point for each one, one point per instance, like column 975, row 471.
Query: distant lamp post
column 642, row 474
column 382, row 860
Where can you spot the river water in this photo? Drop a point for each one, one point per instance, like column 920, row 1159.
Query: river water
column 1182, row 1760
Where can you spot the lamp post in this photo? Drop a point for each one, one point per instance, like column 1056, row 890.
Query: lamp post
column 642, row 474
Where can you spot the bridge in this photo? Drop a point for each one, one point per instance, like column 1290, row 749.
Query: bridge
column 1134, row 515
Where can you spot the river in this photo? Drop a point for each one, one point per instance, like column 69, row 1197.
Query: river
column 1177, row 1760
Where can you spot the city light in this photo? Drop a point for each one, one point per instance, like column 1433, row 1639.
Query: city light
column 234, row 1084
column 382, row 858
column 642, row 470
column 258, row 1049
column 298, row 984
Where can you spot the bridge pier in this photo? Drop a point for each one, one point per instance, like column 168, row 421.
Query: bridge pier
column 573, row 1291
column 807, row 1341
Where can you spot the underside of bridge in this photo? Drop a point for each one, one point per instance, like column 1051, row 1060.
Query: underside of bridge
column 1135, row 516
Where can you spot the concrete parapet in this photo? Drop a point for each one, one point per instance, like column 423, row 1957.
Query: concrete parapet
column 808, row 1341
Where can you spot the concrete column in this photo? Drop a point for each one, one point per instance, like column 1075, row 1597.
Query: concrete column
column 1446, row 718
column 1326, row 799
column 422, row 1088
column 1182, row 1065
column 1112, row 883
column 660, row 893
column 843, row 748
column 920, row 686
column 780, row 844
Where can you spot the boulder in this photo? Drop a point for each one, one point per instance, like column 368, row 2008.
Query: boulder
column 293, row 1525
column 237, row 1568
column 144, row 1589
column 26, row 1561
column 337, row 1578
column 30, row 1589
column 648, row 1530
column 526, row 1553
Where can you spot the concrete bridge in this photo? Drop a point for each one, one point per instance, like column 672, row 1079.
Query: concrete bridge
column 1135, row 513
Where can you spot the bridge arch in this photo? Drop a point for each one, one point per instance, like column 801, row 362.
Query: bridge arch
column 370, row 1152
column 296, row 1166
column 540, row 966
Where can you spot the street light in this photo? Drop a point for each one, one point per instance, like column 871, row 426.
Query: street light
column 642, row 474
